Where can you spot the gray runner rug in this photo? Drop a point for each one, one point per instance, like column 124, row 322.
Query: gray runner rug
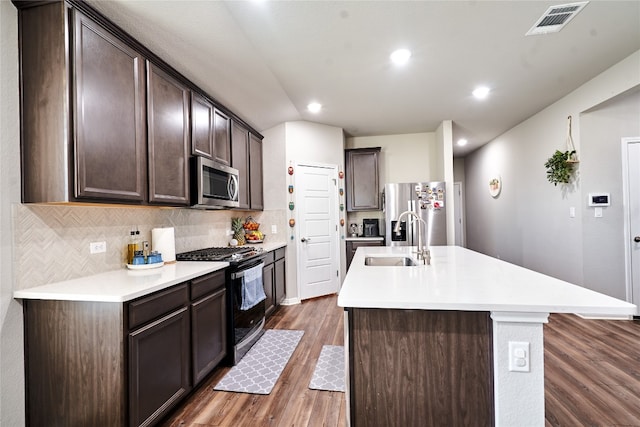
column 329, row 373
column 261, row 367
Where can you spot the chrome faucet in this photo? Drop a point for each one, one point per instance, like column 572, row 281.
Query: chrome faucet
column 424, row 254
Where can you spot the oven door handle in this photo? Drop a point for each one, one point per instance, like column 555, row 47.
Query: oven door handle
column 239, row 274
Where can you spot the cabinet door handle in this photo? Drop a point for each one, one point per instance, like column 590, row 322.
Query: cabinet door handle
column 305, row 239
column 636, row 239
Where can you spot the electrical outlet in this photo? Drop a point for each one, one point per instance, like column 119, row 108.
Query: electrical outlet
column 519, row 358
column 274, row 229
column 97, row 247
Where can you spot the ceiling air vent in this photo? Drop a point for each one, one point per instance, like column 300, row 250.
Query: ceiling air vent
column 556, row 17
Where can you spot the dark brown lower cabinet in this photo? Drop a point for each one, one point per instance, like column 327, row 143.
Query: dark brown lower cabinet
column 122, row 364
column 267, row 281
column 420, row 368
column 208, row 331
column 274, row 279
column 75, row 370
column 158, row 367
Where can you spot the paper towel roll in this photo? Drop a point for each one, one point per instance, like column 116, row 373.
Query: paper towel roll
column 163, row 241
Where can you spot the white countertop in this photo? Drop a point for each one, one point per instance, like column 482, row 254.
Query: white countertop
column 460, row 279
column 121, row 285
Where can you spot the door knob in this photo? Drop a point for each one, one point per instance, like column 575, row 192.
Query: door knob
column 636, row 239
column 305, row 239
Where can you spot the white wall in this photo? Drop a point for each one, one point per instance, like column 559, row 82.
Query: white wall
column 11, row 341
column 528, row 223
column 404, row 158
column 602, row 128
column 284, row 145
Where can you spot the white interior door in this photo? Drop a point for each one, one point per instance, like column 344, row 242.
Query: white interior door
column 318, row 236
column 631, row 169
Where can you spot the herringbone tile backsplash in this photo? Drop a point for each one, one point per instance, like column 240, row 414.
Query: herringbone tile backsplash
column 52, row 242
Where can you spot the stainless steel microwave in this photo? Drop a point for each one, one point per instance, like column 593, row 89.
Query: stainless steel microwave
column 213, row 185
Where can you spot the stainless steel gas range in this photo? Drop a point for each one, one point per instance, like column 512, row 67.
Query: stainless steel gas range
column 244, row 326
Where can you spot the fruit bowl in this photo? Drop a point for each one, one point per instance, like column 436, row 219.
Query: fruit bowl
column 250, row 224
column 253, row 236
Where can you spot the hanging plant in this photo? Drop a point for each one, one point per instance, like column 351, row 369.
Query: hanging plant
column 560, row 167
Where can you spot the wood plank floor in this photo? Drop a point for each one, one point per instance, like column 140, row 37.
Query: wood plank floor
column 291, row 402
column 592, row 376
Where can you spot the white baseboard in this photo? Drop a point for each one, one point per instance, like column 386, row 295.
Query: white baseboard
column 290, row 301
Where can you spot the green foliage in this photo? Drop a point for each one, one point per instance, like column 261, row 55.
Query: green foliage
column 559, row 169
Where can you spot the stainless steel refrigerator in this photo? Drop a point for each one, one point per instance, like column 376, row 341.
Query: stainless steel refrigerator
column 428, row 201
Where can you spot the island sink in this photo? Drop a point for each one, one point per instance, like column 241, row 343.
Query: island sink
column 389, row 261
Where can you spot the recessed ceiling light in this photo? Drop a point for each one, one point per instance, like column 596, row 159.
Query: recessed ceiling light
column 462, row 142
column 314, row 107
column 400, row 56
column 481, row 92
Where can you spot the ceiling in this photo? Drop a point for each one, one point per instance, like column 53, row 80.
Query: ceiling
column 266, row 60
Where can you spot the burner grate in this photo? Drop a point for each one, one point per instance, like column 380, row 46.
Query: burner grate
column 212, row 254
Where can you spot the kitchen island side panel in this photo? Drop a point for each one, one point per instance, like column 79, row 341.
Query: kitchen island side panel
column 75, row 367
column 419, row 367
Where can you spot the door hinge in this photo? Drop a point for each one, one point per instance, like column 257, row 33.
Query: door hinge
column 337, row 273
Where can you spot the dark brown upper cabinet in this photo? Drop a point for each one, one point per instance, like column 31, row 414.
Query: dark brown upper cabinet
column 100, row 125
column 240, row 161
column 201, row 126
column 246, row 156
column 221, row 137
column 90, row 146
column 255, row 177
column 168, row 124
column 362, row 179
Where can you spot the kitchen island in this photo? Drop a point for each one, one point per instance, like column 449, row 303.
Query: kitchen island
column 457, row 342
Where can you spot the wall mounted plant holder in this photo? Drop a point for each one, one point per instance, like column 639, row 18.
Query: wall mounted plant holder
column 291, row 206
column 340, row 174
column 342, row 222
column 291, row 189
column 292, row 222
column 290, row 170
column 342, row 191
column 573, row 155
column 560, row 166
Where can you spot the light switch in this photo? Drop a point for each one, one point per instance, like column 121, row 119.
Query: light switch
column 572, row 212
column 597, row 212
